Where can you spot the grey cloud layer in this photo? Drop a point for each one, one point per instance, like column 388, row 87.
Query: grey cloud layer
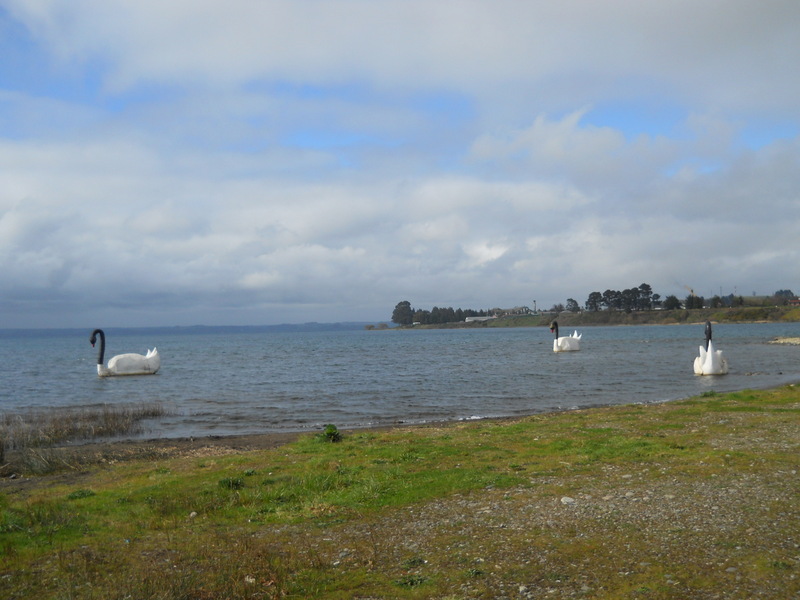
column 280, row 161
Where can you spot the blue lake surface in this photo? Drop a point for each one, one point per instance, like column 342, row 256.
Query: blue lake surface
column 219, row 382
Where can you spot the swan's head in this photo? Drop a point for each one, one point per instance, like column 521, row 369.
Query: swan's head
column 553, row 325
column 93, row 337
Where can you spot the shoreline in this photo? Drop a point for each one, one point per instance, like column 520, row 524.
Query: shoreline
column 273, row 439
column 83, row 453
column 110, row 451
column 79, row 455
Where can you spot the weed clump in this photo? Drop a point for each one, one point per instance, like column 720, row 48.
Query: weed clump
column 330, row 434
column 231, row 483
column 411, row 581
column 78, row 494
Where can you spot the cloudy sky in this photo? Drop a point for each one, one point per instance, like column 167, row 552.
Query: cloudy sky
column 260, row 162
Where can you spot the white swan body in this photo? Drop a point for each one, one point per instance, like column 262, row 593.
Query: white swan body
column 125, row 364
column 710, row 361
column 569, row 343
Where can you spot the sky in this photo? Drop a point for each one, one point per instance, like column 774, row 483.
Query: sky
column 262, row 162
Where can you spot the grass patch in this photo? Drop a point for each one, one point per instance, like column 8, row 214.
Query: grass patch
column 32, row 435
column 37, row 429
column 541, row 503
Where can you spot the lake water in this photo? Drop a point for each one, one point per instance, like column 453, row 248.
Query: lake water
column 218, row 382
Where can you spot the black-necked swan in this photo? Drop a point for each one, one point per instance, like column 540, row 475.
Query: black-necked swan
column 124, row 364
column 565, row 344
column 710, row 361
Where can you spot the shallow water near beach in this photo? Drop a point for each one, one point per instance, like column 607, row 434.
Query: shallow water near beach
column 218, row 382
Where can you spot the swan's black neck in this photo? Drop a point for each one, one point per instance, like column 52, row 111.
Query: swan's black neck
column 102, row 351
column 554, row 328
column 708, row 333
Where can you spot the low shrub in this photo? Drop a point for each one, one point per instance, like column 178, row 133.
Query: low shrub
column 331, row 434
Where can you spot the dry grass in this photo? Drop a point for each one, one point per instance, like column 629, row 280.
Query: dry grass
column 33, row 434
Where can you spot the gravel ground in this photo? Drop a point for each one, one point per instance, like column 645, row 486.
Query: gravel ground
column 670, row 539
column 652, row 532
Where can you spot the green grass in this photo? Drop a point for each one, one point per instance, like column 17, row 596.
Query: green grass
column 285, row 523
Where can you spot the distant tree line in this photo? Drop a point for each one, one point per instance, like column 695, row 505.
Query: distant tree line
column 631, row 299
column 643, row 298
column 404, row 314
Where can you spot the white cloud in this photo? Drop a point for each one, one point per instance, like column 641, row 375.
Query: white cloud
column 482, row 253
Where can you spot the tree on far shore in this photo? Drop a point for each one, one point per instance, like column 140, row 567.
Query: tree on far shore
column 403, row 315
column 694, row 301
column 594, row 302
column 635, row 298
column 782, row 297
column 671, row 302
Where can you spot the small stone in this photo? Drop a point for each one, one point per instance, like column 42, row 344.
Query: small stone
column 192, row 515
column 567, row 500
